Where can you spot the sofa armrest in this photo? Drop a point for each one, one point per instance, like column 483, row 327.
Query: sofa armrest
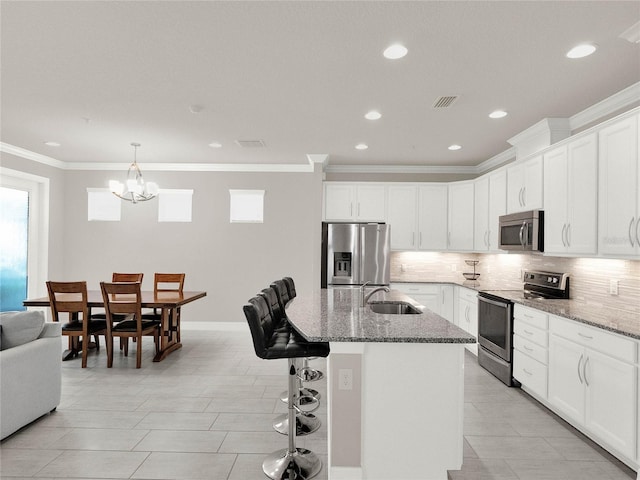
column 51, row 329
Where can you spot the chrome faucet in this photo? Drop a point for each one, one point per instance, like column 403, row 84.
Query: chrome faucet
column 364, row 297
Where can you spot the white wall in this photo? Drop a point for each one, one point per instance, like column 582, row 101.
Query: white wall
column 231, row 262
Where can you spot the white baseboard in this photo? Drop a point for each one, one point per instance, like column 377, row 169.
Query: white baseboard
column 346, row 473
column 216, row 326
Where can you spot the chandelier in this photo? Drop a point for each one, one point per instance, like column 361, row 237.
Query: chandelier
column 135, row 189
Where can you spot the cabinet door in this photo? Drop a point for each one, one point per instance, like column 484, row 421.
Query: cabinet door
column 481, row 214
column 431, row 301
column 611, row 400
column 432, row 217
column 497, row 205
column 555, row 193
column 370, row 203
column 447, row 302
column 533, row 184
column 460, row 216
column 401, row 215
column 582, row 205
column 338, row 202
column 515, row 187
column 618, row 187
column 566, row 384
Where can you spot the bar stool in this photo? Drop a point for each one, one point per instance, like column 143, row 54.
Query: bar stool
column 292, row 463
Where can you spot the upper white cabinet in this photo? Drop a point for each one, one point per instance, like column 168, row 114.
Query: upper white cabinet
column 619, row 193
column 524, row 185
column 418, row 217
column 345, row 202
column 490, row 201
column 460, row 221
column 570, row 197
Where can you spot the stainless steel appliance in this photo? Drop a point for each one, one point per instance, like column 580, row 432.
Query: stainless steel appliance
column 355, row 253
column 522, row 231
column 495, row 319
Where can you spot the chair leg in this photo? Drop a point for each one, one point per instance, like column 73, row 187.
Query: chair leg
column 85, row 350
column 139, row 352
column 110, row 351
column 96, row 338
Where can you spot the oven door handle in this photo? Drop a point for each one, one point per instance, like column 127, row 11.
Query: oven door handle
column 504, row 304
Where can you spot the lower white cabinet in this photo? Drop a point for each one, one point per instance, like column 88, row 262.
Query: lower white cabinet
column 592, row 381
column 436, row 297
column 467, row 315
column 530, row 349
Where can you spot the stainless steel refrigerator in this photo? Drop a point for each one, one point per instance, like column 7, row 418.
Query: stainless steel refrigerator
column 355, row 253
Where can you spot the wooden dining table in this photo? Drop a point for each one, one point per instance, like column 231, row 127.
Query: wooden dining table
column 167, row 302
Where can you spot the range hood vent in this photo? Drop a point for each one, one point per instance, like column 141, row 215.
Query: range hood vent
column 251, row 143
column 445, row 102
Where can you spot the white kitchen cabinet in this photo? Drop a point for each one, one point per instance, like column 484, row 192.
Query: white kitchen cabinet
column 436, row 297
column 619, row 191
column 467, row 314
column 530, row 349
column 349, row 202
column 460, row 220
column 490, row 202
column 525, row 185
column 570, row 197
column 447, row 308
column 592, row 381
column 418, row 217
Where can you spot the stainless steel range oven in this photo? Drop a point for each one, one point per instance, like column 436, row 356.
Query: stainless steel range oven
column 495, row 319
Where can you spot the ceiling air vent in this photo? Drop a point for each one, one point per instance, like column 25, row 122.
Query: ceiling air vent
column 250, row 143
column 444, row 102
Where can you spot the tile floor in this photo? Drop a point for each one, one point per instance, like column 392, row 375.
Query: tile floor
column 206, row 411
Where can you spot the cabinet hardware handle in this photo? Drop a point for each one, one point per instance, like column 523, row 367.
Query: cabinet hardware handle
column 528, row 332
column 564, row 230
column 630, row 235
column 448, row 239
column 568, row 235
column 358, row 209
column 524, row 196
column 579, row 363
column 351, row 209
column 520, row 201
column 584, row 371
column 637, row 233
column 527, row 371
column 527, row 315
column 420, row 244
column 413, row 238
column 528, row 349
column 488, row 238
column 583, row 335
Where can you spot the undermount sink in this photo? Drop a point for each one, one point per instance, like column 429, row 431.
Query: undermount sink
column 393, row 308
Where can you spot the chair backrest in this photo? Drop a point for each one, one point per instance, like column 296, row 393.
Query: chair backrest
column 122, row 298
column 127, row 277
column 260, row 324
column 283, row 294
column 270, row 295
column 168, row 282
column 68, row 297
column 291, row 287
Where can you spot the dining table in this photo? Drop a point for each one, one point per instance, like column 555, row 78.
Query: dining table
column 167, row 302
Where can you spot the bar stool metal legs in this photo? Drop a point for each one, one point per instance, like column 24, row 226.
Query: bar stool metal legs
column 306, row 421
column 292, row 463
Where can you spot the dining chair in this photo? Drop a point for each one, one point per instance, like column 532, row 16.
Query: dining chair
column 167, row 283
column 71, row 298
column 125, row 298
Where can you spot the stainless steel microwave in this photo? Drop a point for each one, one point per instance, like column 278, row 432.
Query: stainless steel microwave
column 522, row 231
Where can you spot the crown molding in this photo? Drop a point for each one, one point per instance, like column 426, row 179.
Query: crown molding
column 197, row 167
column 618, row 101
column 459, row 169
column 29, row 155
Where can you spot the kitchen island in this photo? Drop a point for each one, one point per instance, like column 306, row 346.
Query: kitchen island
column 395, row 386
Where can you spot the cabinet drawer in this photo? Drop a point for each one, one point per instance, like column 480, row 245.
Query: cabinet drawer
column 531, row 349
column 532, row 334
column 597, row 339
column 532, row 316
column 531, row 373
column 417, row 288
column 468, row 294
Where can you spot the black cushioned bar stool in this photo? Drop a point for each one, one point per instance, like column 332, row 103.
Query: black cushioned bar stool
column 288, row 288
column 270, row 343
column 306, row 421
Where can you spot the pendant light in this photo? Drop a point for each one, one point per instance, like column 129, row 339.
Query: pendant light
column 135, row 189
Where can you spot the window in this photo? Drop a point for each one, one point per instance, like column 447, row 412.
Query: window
column 246, row 206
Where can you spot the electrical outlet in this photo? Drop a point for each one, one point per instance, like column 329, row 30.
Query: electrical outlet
column 454, row 267
column 345, row 379
column 613, row 287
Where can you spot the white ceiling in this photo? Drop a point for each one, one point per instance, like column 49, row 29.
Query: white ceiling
column 96, row 76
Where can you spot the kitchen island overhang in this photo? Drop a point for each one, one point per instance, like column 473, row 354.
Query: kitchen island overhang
column 395, row 386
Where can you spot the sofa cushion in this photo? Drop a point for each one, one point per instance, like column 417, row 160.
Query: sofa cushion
column 19, row 328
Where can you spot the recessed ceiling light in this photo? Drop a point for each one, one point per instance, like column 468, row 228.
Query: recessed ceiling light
column 498, row 114
column 215, row 145
column 373, row 115
column 454, row 147
column 52, row 144
column 582, row 50
column 395, row 51
column 362, row 146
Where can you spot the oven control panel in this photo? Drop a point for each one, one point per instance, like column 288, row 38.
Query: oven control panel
column 546, row 279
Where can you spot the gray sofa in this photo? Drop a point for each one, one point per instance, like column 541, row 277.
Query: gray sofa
column 30, row 368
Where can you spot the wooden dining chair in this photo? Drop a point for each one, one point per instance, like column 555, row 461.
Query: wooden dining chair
column 167, row 283
column 125, row 298
column 71, row 298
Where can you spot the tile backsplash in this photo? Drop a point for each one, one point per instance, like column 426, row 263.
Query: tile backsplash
column 590, row 277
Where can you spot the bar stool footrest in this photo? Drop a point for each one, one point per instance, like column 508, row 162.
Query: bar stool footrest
column 299, row 465
column 306, row 423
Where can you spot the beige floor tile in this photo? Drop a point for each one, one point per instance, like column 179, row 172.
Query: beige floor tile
column 253, row 442
column 244, row 422
column 242, row 405
column 550, row 469
column 177, row 421
column 94, row 464
column 181, row 441
column 186, row 466
column 26, row 462
column 512, row 447
column 174, row 404
column 101, row 439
